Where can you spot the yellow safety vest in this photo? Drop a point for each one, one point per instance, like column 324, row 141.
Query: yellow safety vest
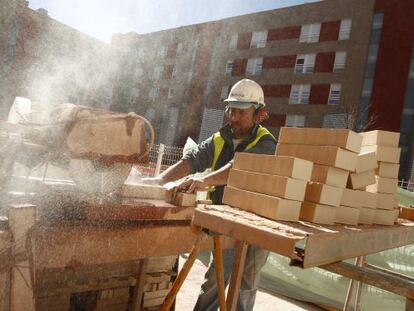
column 219, row 143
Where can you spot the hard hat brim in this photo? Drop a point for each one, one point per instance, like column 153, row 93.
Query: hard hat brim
column 233, row 103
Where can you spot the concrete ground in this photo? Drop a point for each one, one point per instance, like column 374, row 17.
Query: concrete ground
column 188, row 294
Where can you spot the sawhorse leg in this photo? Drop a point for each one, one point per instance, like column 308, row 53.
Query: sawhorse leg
column 354, row 290
column 236, row 275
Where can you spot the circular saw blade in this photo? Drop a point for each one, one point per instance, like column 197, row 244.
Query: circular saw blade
column 96, row 177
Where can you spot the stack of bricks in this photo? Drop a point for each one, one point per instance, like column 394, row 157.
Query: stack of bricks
column 268, row 185
column 385, row 146
column 334, row 153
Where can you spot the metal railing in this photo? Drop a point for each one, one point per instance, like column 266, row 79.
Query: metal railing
column 406, row 184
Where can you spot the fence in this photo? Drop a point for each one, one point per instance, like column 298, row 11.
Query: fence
column 406, row 184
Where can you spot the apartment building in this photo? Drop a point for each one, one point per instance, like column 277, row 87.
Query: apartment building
column 333, row 63
column 50, row 62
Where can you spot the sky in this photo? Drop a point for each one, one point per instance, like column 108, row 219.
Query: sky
column 102, row 18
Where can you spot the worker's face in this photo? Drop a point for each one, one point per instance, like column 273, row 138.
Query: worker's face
column 241, row 121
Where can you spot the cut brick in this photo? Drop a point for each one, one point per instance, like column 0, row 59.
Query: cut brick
column 351, row 198
column 317, row 213
column 347, row 215
column 366, row 216
column 366, row 161
column 262, row 204
column 274, row 185
column 144, row 191
column 360, row 180
column 384, row 217
column 275, row 165
column 185, row 199
column 329, row 175
column 384, row 153
column 325, row 155
column 389, row 170
column 342, row 138
column 384, row 185
column 382, row 138
column 369, row 199
column 323, row 194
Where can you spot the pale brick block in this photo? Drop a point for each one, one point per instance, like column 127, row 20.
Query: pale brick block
column 181, row 198
column 352, row 198
column 384, row 217
column 274, row 165
column 366, row 216
column 369, row 199
column 262, row 204
column 384, row 185
column 396, row 214
column 382, row 138
column 386, row 201
column 347, row 215
column 323, row 194
column 317, row 213
column 366, row 161
column 384, row 153
column 274, row 185
column 325, row 155
column 388, row 170
column 360, row 180
column 342, row 138
column 329, row 175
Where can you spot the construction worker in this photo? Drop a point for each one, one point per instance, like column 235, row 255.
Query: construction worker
column 243, row 133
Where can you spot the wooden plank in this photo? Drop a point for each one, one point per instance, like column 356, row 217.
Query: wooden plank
column 76, row 245
column 236, row 275
column 136, row 301
column 373, row 277
column 274, row 165
column 342, row 138
column 356, row 241
column 324, row 155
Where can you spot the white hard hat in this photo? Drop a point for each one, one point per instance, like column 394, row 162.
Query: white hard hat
column 245, row 94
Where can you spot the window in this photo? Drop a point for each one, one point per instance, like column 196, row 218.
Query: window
column 377, row 21
column 157, row 72
column 367, row 87
column 162, row 52
column 254, row 66
column 295, row 120
column 259, row 39
column 299, row 94
column 224, row 92
column 154, row 92
column 310, row 33
column 334, row 94
column 179, row 48
column 233, row 42
column 229, row 68
column 372, row 53
column 345, row 29
column 305, row 63
column 340, row 60
column 336, row 120
column 171, row 92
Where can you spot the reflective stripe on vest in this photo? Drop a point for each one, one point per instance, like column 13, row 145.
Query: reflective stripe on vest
column 219, row 143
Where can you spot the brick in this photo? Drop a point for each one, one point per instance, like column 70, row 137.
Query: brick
column 366, row 161
column 386, row 201
column 274, row 185
column 329, row 175
column 262, row 204
column 143, row 191
column 323, row 194
column 389, row 170
column 347, row 215
column 384, row 185
column 382, row 138
column 407, row 213
column 342, row 138
column 366, row 216
column 317, row 213
column 325, row 155
column 396, row 214
column 384, row 153
column 351, row 198
column 275, row 165
column 369, row 199
column 360, row 180
column 185, row 199
column 384, row 217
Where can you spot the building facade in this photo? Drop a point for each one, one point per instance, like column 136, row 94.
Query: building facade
column 50, row 62
column 331, row 63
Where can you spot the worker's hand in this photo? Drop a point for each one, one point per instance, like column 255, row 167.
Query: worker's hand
column 192, row 185
column 152, row 181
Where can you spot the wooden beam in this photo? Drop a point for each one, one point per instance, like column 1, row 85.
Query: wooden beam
column 136, row 302
column 385, row 281
column 218, row 258
column 236, row 275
